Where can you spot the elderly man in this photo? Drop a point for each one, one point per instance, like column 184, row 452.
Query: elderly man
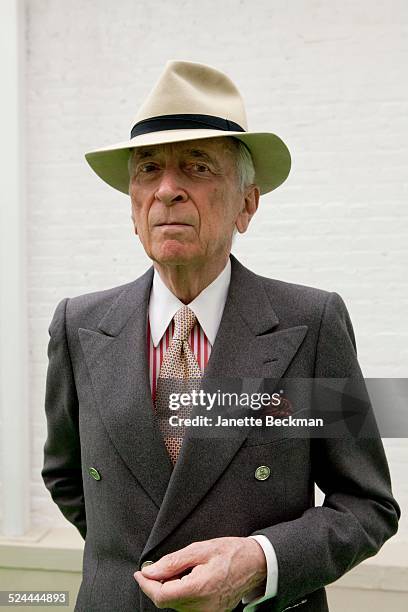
column 174, row 517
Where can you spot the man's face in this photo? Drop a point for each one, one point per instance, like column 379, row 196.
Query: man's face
column 186, row 200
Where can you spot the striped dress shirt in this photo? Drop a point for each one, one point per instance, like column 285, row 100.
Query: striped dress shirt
column 198, row 341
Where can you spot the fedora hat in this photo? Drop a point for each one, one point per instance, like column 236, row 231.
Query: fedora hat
column 192, row 101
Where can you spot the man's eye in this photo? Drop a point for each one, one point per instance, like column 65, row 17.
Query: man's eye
column 200, row 168
column 146, row 168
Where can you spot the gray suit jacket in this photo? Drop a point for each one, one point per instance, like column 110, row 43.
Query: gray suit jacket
column 100, row 415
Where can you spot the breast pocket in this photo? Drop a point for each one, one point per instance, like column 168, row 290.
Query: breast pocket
column 260, row 437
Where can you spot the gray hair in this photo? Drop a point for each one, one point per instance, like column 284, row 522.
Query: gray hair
column 243, row 160
column 244, row 163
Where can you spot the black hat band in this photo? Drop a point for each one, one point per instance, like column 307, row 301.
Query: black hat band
column 184, row 122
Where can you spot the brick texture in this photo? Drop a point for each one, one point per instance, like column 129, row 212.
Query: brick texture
column 328, row 77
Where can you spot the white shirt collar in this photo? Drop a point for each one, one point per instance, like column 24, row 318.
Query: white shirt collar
column 208, row 306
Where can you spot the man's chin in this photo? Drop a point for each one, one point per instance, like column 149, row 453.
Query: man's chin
column 175, row 257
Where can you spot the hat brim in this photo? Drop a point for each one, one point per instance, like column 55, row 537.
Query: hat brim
column 270, row 155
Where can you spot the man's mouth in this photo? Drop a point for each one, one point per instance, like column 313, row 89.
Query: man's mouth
column 174, row 223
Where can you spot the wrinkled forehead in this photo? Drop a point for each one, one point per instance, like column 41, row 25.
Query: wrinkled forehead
column 215, row 149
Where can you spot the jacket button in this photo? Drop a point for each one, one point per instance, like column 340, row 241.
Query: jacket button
column 146, row 563
column 94, row 473
column 262, row 472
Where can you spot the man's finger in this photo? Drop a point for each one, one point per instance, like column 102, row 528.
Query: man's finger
column 168, row 592
column 174, row 563
column 150, row 587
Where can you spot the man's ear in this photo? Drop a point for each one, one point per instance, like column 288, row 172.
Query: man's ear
column 249, row 208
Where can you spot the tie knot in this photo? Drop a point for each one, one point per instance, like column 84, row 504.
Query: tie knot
column 184, row 321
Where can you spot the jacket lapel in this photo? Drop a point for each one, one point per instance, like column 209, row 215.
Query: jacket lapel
column 246, row 349
column 116, row 357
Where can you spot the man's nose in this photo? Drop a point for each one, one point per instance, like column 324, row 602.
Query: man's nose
column 170, row 189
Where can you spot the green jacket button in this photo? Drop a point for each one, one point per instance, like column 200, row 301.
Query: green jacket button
column 94, row 473
column 262, row 472
column 146, row 563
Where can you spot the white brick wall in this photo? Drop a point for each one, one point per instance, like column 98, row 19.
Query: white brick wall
column 328, row 77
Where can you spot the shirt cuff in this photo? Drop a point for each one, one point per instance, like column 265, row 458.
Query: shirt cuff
column 262, row 593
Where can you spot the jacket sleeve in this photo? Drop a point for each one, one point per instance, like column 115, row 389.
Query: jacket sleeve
column 61, row 471
column 359, row 512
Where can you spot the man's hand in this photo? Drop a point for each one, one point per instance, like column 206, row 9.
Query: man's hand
column 222, row 571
